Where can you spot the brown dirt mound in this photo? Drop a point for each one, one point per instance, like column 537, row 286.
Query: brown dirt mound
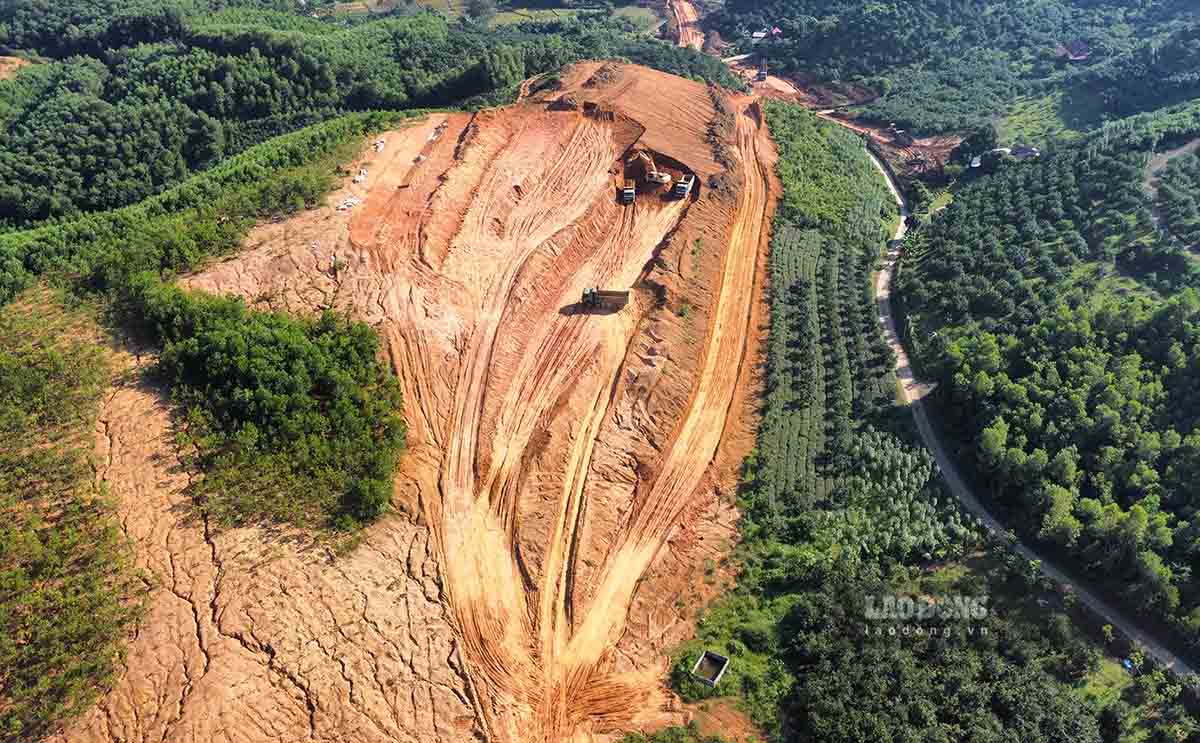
column 567, row 472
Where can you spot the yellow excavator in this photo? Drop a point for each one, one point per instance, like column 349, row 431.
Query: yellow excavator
column 649, row 170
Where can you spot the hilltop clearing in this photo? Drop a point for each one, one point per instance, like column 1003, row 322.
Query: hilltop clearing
column 565, row 468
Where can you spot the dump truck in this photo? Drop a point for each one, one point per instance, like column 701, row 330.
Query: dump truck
column 683, row 186
column 650, row 171
column 900, row 137
column 610, row 299
column 628, row 191
column 762, row 71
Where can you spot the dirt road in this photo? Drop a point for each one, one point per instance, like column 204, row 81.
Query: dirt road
column 1157, row 164
column 687, row 21
column 914, row 391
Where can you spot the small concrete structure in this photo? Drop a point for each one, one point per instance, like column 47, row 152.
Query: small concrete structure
column 709, row 668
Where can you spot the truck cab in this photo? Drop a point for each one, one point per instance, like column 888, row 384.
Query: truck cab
column 683, row 187
column 628, row 192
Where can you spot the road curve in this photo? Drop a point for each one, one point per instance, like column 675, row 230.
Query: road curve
column 913, row 391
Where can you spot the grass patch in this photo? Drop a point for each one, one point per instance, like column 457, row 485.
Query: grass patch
column 538, row 15
column 644, row 18
column 1055, row 116
column 944, row 198
column 68, row 592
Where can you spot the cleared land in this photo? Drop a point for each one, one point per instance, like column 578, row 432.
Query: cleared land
column 687, row 24
column 561, row 492
column 10, row 65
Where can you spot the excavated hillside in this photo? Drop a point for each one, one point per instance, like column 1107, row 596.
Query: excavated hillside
column 570, row 470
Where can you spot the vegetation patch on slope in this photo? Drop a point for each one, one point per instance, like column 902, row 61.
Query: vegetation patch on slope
column 68, row 593
column 292, row 419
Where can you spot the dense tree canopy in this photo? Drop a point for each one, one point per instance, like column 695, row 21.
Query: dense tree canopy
column 943, row 65
column 142, row 95
column 1179, row 200
column 1065, row 330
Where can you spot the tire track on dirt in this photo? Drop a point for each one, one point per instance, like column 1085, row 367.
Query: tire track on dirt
column 695, row 442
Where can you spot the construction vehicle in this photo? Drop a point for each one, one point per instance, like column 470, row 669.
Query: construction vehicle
column 650, row 171
column 900, row 137
column 683, row 186
column 761, row 77
column 611, row 299
column 628, row 191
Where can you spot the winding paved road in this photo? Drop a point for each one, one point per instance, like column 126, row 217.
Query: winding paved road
column 914, row 391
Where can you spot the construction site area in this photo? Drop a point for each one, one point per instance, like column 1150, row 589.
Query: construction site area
column 570, row 290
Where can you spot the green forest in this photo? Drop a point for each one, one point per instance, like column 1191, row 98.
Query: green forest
column 949, row 65
column 1063, row 327
column 841, row 505
column 137, row 96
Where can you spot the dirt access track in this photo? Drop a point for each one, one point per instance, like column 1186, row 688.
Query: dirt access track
column 569, row 472
column 687, row 24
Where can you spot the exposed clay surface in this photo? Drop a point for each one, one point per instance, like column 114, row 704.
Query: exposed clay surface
column 250, row 637
column 569, row 472
column 10, row 65
column 687, row 24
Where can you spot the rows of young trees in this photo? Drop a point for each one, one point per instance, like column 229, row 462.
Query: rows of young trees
column 162, row 89
column 952, row 64
column 1063, row 330
column 805, row 667
column 1179, row 199
column 68, row 591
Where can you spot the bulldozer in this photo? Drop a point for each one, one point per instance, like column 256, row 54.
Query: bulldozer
column 650, row 171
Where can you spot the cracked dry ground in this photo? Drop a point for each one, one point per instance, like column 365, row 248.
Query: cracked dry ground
column 561, row 489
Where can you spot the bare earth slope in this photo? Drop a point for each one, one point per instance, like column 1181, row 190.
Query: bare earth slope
column 563, row 483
